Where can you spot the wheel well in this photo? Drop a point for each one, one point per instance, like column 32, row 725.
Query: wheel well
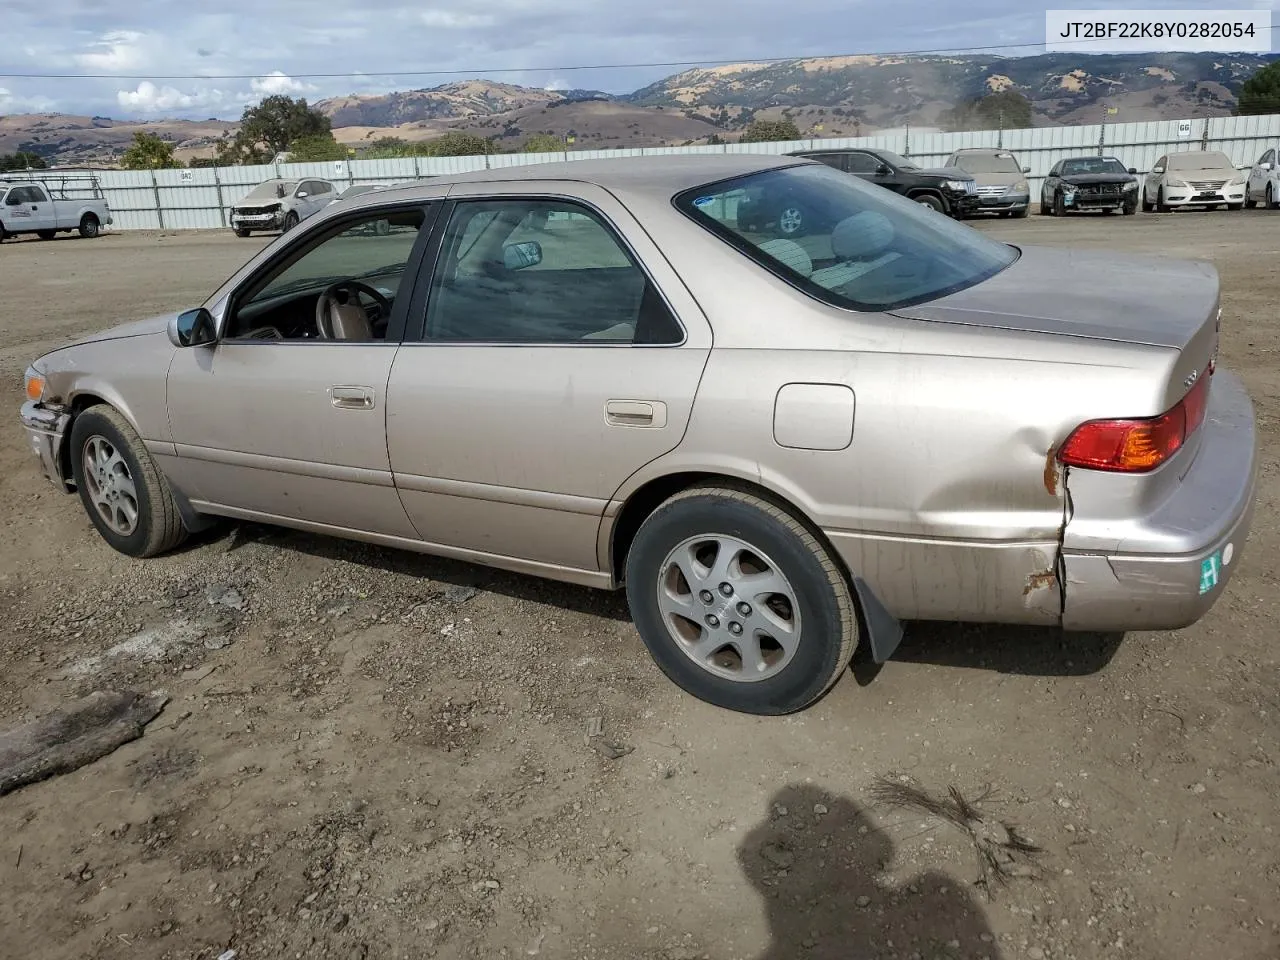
column 79, row 404
column 90, row 216
column 656, row 492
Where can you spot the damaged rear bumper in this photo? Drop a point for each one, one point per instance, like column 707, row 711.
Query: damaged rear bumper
column 1172, row 565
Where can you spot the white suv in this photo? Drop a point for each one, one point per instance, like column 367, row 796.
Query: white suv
column 1193, row 178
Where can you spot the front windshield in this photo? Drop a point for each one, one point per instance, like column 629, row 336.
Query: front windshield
column 1071, row 168
column 1212, row 160
column 902, row 163
column 272, row 189
column 988, row 163
column 844, row 241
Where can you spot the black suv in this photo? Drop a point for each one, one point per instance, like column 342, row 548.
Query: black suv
column 948, row 190
column 1089, row 183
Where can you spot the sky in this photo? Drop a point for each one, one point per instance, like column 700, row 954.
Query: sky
column 158, row 58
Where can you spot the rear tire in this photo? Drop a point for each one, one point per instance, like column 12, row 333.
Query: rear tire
column 89, row 226
column 799, row 634
column 127, row 498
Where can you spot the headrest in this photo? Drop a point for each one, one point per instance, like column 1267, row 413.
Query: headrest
column 865, row 234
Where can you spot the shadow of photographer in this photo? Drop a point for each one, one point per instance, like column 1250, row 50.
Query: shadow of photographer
column 820, row 865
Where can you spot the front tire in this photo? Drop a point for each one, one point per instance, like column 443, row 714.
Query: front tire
column 1235, row 206
column 1021, row 214
column 1161, row 206
column 127, row 498
column 930, row 201
column 241, row 233
column 89, row 226
column 1059, row 205
column 290, row 221
column 779, row 627
column 1271, row 200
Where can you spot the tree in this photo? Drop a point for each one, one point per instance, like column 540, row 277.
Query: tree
column 22, row 160
column 1261, row 92
column 148, row 152
column 1007, row 109
column 314, row 148
column 762, row 131
column 272, row 127
column 202, row 162
column 543, row 143
column 456, row 144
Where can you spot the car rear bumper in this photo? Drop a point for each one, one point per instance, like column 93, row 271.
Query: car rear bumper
column 1173, row 566
column 46, row 430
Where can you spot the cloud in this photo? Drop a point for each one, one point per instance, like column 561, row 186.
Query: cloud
column 278, row 82
column 448, row 20
column 13, row 103
column 149, row 98
column 115, row 51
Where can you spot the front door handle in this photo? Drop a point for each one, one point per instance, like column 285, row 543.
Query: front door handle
column 636, row 413
column 351, row 398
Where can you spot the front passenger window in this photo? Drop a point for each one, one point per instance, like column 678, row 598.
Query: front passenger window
column 541, row 271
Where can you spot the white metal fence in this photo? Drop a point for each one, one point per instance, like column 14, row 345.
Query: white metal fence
column 200, row 198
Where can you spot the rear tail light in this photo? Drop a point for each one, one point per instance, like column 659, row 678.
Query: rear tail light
column 1137, row 446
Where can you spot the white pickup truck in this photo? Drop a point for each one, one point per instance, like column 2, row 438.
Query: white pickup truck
column 47, row 207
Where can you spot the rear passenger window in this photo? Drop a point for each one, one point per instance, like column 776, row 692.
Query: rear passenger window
column 541, row 271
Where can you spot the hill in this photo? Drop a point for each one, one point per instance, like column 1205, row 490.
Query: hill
column 843, row 96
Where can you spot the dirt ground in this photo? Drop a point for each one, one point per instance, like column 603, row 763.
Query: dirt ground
column 370, row 754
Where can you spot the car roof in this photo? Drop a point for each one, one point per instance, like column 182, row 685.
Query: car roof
column 665, row 174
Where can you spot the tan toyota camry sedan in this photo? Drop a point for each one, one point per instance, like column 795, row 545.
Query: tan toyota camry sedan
column 596, row 372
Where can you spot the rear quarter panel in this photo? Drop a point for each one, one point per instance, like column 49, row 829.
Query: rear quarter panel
column 948, row 499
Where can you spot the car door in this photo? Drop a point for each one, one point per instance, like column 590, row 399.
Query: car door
column 1155, row 178
column 305, row 197
column 867, row 166
column 1260, row 175
column 274, row 422
column 556, row 353
column 1050, row 185
column 27, row 207
column 43, row 214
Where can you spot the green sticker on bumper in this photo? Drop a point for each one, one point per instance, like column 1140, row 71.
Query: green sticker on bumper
column 1210, row 571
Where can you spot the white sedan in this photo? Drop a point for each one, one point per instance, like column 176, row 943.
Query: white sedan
column 1193, row 178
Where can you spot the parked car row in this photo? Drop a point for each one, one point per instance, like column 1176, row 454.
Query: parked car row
column 47, row 205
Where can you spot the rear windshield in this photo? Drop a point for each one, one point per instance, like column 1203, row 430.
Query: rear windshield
column 272, row 189
column 988, row 163
column 841, row 240
column 1072, row 168
column 1212, row 160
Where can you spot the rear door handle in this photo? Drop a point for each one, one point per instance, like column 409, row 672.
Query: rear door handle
column 351, row 398
column 636, row 413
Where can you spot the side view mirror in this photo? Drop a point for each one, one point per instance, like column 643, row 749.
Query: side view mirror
column 1026, row 169
column 517, row 256
column 883, row 170
column 1133, row 171
column 1157, row 169
column 1264, row 166
column 192, row 328
column 301, row 194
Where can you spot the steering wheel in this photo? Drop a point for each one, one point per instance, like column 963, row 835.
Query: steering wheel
column 351, row 319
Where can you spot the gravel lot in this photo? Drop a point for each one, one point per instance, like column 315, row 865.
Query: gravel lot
column 370, row 754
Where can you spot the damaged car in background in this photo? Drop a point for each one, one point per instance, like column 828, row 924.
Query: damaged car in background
column 1089, row 183
column 280, row 205
column 781, row 448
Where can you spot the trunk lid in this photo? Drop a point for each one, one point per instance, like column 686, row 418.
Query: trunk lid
column 1172, row 304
